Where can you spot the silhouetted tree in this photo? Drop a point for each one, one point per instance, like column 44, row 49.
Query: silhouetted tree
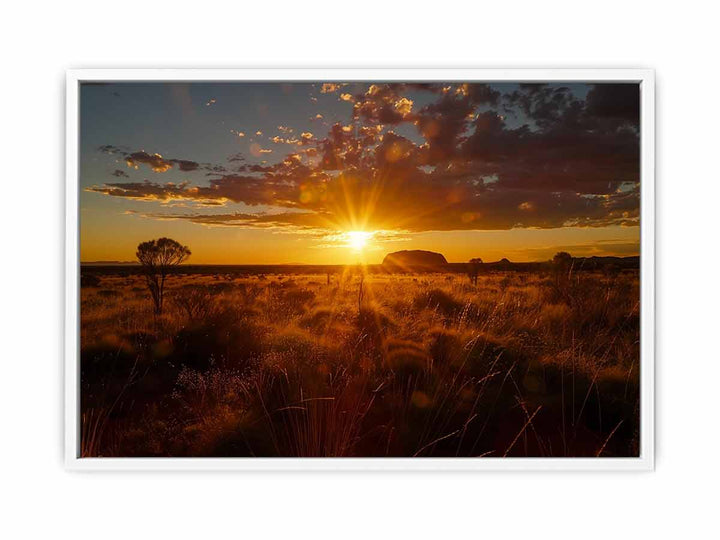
column 473, row 269
column 156, row 258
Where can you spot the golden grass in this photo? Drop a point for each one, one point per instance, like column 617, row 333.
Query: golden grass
column 417, row 365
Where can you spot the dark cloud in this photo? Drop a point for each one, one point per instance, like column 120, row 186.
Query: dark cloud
column 119, row 173
column 155, row 161
column 562, row 161
column 478, row 94
column 441, row 124
column 545, row 105
column 563, row 157
column 111, row 149
column 185, row 165
column 615, row 101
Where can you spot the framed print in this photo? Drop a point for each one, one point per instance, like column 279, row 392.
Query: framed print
column 360, row 269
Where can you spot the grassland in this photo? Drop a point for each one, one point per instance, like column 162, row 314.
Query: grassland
column 525, row 363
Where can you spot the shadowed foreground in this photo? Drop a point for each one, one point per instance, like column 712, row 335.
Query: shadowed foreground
column 346, row 364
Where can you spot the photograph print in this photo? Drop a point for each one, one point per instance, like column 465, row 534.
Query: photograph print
column 365, row 269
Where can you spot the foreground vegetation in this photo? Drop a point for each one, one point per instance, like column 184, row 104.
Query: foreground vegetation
column 427, row 365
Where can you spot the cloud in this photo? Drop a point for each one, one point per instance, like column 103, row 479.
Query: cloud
column 257, row 150
column 309, row 224
column 151, row 191
column 119, row 173
column 478, row 94
column 156, row 162
column 110, row 149
column 296, row 221
column 618, row 102
column 185, row 165
column 277, row 139
column 537, row 156
column 329, row 88
column 382, row 104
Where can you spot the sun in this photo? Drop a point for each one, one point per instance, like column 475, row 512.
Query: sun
column 357, row 240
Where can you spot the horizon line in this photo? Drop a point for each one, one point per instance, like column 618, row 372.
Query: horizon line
column 136, row 263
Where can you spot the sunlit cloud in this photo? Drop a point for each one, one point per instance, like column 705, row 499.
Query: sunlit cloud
column 329, row 88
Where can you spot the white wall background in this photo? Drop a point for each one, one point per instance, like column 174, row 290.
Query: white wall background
column 38, row 42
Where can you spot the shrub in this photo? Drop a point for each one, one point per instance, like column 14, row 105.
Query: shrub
column 195, row 302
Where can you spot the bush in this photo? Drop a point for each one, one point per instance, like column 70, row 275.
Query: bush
column 195, row 302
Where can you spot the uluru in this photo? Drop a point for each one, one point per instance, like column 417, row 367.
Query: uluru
column 417, row 258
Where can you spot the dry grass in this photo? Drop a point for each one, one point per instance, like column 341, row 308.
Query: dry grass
column 418, row 365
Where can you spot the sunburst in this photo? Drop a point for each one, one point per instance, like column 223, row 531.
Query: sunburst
column 358, row 240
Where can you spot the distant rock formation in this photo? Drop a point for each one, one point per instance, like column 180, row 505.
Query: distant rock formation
column 414, row 259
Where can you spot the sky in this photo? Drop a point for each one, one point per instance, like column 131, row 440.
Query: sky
column 341, row 173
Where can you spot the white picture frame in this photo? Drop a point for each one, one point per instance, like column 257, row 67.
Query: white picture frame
column 644, row 462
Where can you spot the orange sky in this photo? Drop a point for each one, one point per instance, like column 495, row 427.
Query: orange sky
column 246, row 173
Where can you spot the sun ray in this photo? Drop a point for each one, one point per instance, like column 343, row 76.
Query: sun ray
column 358, row 240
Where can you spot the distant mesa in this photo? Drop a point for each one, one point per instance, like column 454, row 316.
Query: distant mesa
column 412, row 259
